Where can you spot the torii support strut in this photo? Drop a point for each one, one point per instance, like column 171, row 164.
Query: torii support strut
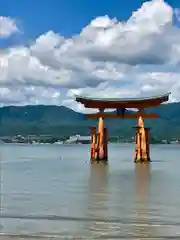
column 99, row 142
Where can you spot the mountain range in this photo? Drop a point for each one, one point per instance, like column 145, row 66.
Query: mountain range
column 62, row 121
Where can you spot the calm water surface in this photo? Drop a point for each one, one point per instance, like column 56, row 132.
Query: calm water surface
column 53, row 191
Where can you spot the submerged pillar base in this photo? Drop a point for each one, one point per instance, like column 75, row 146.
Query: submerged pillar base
column 101, row 161
column 142, row 160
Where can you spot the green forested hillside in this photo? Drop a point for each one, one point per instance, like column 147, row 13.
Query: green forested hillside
column 63, row 121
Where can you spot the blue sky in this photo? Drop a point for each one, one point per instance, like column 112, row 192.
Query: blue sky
column 42, row 63
column 66, row 17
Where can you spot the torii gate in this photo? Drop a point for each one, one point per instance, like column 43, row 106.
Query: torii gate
column 99, row 139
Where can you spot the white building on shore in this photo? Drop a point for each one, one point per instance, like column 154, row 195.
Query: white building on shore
column 78, row 139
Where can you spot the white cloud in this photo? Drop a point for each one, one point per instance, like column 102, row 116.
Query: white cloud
column 7, row 26
column 123, row 59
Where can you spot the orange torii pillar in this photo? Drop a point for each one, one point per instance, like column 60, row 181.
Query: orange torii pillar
column 99, row 142
column 142, row 143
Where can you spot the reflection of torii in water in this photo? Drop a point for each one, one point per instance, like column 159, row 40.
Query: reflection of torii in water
column 144, row 226
column 97, row 197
